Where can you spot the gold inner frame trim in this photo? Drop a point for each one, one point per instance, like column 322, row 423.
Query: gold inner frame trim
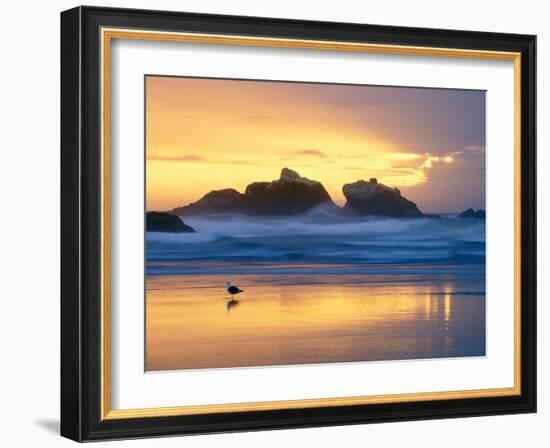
column 107, row 35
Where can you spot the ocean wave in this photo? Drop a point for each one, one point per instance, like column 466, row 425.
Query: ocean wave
column 323, row 239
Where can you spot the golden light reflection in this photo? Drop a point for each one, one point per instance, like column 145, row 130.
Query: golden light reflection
column 189, row 323
column 447, row 305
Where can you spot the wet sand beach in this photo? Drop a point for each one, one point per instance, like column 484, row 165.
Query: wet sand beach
column 377, row 313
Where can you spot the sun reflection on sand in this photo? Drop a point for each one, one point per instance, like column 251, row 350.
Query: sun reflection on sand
column 191, row 323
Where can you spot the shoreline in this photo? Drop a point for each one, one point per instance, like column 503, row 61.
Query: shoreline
column 190, row 323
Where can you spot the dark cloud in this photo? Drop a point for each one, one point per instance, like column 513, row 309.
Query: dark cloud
column 417, row 118
column 310, row 152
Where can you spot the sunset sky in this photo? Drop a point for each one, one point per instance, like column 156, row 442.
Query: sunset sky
column 209, row 134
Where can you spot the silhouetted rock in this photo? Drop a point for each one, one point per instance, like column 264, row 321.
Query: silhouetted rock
column 291, row 194
column 373, row 198
column 166, row 222
column 471, row 213
column 227, row 200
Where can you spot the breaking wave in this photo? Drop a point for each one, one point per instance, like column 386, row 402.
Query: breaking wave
column 319, row 239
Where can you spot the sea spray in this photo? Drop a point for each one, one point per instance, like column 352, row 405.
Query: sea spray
column 321, row 240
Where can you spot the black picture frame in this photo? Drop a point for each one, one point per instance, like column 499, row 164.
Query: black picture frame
column 81, row 227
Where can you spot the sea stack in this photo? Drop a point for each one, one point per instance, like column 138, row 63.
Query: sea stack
column 471, row 213
column 289, row 195
column 227, row 200
column 373, row 198
column 166, row 222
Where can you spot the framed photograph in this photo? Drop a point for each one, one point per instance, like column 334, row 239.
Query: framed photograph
column 273, row 223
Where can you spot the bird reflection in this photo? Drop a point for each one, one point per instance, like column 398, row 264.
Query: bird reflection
column 231, row 304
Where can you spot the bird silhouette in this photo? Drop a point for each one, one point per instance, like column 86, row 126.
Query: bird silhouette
column 233, row 290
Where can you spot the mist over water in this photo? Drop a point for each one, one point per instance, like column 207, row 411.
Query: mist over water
column 316, row 240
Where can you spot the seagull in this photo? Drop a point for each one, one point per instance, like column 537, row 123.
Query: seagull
column 233, row 289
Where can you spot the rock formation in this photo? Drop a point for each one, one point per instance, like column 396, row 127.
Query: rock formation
column 291, row 194
column 227, row 200
column 471, row 213
column 166, row 222
column 372, row 198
